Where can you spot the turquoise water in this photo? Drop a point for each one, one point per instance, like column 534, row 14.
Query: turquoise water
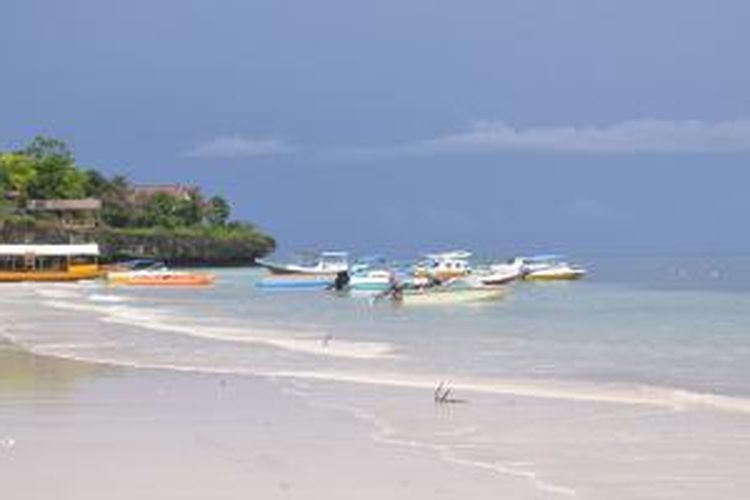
column 646, row 361
column 665, row 322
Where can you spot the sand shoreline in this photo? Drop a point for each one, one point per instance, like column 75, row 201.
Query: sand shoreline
column 69, row 429
column 153, row 411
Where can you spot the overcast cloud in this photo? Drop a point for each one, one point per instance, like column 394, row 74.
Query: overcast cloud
column 634, row 136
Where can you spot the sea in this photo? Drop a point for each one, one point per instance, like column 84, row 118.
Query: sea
column 631, row 383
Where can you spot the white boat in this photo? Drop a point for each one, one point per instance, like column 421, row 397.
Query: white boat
column 548, row 268
column 326, row 263
column 375, row 280
column 560, row 271
column 448, row 296
column 500, row 274
column 444, row 266
column 463, row 290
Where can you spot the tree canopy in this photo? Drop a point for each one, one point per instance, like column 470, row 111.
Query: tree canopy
column 45, row 169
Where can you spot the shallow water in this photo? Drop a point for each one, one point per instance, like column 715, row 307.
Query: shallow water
column 633, row 383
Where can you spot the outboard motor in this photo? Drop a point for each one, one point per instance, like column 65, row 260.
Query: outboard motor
column 341, row 281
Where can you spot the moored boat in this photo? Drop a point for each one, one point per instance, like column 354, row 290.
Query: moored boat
column 326, row 263
column 371, row 280
column 164, row 278
column 499, row 274
column 549, row 268
column 448, row 296
column 297, row 282
column 154, row 273
column 561, row 271
column 444, row 266
column 49, row 262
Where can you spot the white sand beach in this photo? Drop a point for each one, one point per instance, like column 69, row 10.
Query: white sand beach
column 232, row 393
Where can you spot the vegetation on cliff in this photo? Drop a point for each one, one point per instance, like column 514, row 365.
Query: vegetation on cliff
column 182, row 226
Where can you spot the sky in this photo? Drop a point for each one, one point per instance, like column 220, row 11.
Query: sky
column 504, row 126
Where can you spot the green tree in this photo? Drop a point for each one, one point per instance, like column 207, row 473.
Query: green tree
column 217, row 211
column 57, row 177
column 160, row 210
column 117, row 206
column 97, row 184
column 190, row 210
column 17, row 171
column 42, row 147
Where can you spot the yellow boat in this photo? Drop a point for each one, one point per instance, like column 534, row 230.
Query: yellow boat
column 49, row 262
column 547, row 268
column 563, row 272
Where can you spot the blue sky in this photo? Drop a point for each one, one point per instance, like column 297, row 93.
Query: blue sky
column 588, row 126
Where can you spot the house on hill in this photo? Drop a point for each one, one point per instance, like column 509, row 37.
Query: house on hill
column 72, row 214
column 140, row 194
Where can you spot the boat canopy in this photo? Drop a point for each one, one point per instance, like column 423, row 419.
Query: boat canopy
column 341, row 255
column 50, row 250
column 372, row 259
column 543, row 258
column 456, row 255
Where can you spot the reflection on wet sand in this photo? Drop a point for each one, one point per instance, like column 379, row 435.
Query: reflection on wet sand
column 24, row 373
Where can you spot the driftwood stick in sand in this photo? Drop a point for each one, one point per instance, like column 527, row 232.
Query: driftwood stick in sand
column 439, row 391
column 326, row 340
column 442, row 395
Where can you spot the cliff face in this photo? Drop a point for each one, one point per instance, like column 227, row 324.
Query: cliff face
column 186, row 246
column 186, row 249
column 29, row 230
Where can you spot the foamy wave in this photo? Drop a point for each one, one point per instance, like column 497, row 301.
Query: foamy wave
column 98, row 297
column 314, row 343
column 663, row 397
column 59, row 292
column 666, row 397
column 387, row 434
column 317, row 343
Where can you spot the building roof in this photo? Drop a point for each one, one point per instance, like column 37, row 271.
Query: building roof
column 49, row 250
column 177, row 190
column 68, row 205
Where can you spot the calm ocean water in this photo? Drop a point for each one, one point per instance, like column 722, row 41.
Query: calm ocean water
column 633, row 383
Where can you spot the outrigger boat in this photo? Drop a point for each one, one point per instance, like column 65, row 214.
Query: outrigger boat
column 459, row 291
column 464, row 290
column 447, row 297
column 326, row 263
column 49, row 262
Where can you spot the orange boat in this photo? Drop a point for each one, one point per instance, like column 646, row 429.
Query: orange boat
column 161, row 278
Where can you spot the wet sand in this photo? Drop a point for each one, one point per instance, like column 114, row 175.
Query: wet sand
column 157, row 397
column 70, row 430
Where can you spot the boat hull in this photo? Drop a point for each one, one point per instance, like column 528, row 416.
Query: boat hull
column 163, row 279
column 296, row 283
column 320, row 269
column 499, row 277
column 449, row 297
column 75, row 273
column 567, row 275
